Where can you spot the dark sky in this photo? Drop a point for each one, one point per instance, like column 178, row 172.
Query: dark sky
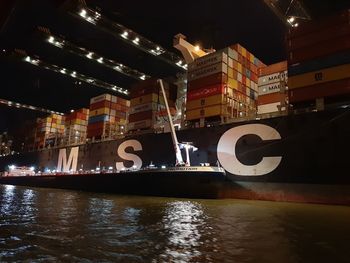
column 211, row 23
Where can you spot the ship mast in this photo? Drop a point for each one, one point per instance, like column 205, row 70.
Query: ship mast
column 179, row 160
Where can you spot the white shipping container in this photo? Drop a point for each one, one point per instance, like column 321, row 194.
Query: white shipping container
column 230, row 62
column 254, row 86
column 270, row 108
column 273, row 78
column 231, row 53
column 239, row 77
column 200, row 73
column 210, row 59
column 114, row 99
column 271, row 88
column 102, row 97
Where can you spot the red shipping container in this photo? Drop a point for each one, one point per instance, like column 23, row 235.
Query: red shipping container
column 218, row 78
column 240, row 58
column 144, row 115
column 244, row 80
column 315, row 38
column 327, row 89
column 327, row 48
column 100, row 104
column 206, row 92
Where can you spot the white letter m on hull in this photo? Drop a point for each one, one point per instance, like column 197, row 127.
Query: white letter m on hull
column 65, row 165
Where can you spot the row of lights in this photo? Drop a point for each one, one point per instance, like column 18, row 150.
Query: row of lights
column 91, row 18
column 134, row 38
column 76, row 75
column 101, row 60
column 25, row 106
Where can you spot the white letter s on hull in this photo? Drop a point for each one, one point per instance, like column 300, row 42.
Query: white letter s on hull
column 136, row 145
column 226, row 150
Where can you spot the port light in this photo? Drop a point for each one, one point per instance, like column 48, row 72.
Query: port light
column 32, row 168
column 89, row 55
column 110, row 168
column 136, row 41
column 83, row 52
column 92, row 16
column 83, row 13
column 125, row 34
column 75, row 75
column 12, row 167
column 163, row 167
column 197, row 48
column 291, row 19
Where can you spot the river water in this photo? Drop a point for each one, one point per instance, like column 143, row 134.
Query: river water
column 45, row 225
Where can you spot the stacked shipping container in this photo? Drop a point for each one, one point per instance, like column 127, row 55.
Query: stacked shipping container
column 272, row 84
column 108, row 116
column 319, row 59
column 49, row 131
column 147, row 105
column 76, row 126
column 222, row 85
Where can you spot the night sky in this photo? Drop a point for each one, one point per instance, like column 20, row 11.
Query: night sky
column 210, row 23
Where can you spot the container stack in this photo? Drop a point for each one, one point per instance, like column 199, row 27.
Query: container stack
column 319, row 61
column 222, row 86
column 107, row 116
column 49, row 131
column 76, row 127
column 147, row 107
column 273, row 94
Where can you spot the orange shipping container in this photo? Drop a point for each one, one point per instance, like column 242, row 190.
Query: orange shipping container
column 273, row 68
column 328, row 89
column 271, row 98
column 204, row 102
column 205, row 112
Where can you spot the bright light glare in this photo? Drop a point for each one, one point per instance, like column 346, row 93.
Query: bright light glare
column 291, row 19
column 83, row 13
column 196, row 48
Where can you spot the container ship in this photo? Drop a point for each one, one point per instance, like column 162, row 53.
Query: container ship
column 281, row 132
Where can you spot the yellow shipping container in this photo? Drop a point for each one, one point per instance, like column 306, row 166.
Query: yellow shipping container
column 47, row 120
column 146, row 99
column 122, row 121
column 239, row 68
column 251, row 58
column 230, row 72
column 244, row 52
column 320, row 76
column 205, row 112
column 232, row 83
column 100, row 111
column 204, row 102
column 247, row 83
column 53, row 125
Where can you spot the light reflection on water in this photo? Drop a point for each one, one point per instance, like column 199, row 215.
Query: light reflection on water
column 45, row 225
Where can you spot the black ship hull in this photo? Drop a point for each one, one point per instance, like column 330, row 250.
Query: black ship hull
column 152, row 183
column 300, row 158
